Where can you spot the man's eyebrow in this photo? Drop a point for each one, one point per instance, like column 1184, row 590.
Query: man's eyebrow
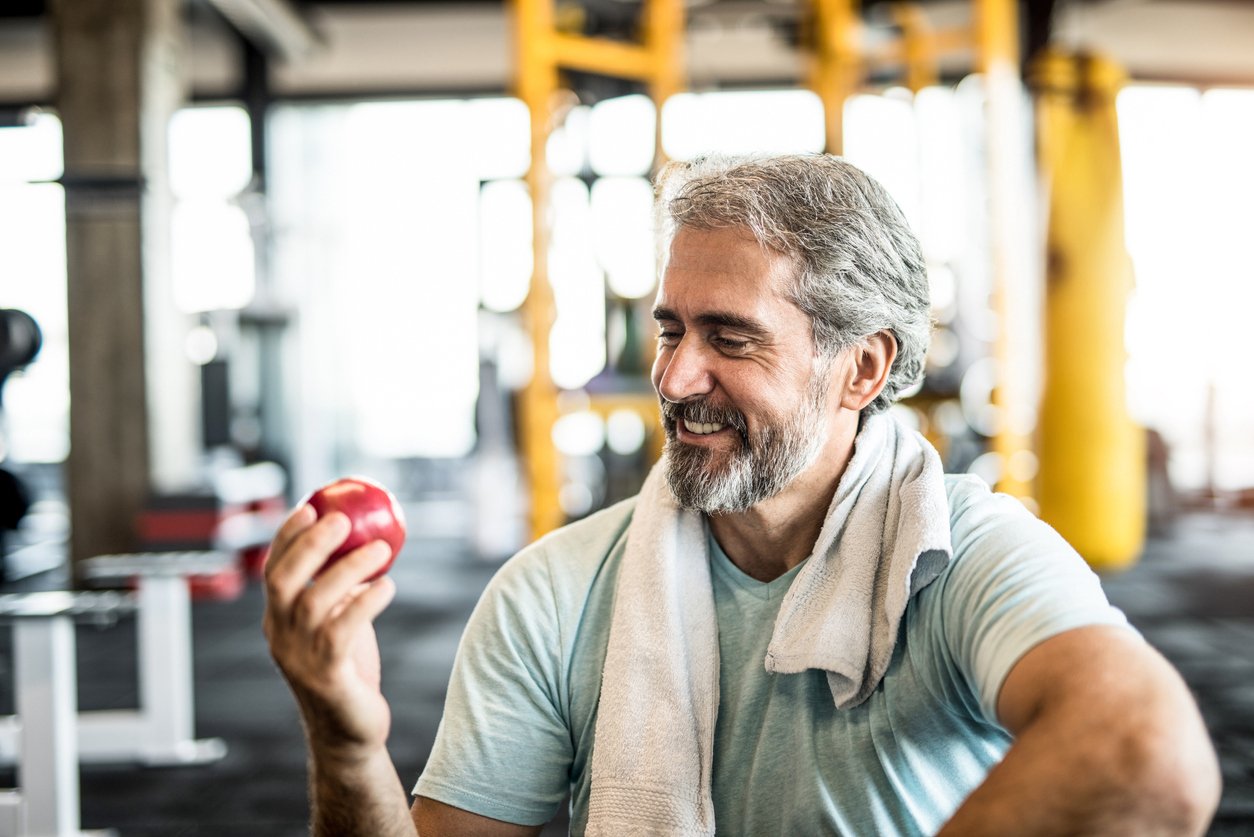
column 725, row 319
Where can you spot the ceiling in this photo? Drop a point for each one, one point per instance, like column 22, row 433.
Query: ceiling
column 409, row 47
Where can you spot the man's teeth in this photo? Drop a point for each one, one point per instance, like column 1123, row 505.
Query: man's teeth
column 702, row 428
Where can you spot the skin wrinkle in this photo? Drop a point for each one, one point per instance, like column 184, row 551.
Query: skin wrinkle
column 780, row 443
column 859, row 269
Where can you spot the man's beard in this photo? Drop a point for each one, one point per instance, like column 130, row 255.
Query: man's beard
column 764, row 463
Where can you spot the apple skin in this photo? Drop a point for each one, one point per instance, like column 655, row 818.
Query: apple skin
column 373, row 511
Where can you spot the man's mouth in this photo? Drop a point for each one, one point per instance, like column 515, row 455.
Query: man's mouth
column 702, row 428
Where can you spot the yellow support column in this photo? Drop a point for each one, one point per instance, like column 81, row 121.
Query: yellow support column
column 834, row 63
column 917, row 47
column 996, row 39
column 540, row 49
column 664, row 41
column 1091, row 484
column 536, row 82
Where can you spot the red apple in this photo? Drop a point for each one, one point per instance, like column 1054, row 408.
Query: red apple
column 373, row 511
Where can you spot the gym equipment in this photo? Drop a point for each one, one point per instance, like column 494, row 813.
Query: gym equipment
column 20, row 341
column 160, row 730
column 44, row 678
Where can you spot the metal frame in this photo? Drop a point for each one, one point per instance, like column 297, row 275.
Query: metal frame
column 541, row 50
column 838, row 64
column 160, row 732
column 46, row 803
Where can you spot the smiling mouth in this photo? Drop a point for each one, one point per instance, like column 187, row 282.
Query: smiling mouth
column 702, row 428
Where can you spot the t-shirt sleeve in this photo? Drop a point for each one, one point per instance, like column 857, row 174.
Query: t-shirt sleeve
column 503, row 748
column 1014, row 583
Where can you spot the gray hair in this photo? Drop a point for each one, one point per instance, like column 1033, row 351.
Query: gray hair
column 860, row 268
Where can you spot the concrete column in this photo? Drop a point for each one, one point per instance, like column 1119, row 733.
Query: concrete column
column 119, row 80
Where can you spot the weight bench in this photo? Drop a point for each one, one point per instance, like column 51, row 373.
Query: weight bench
column 161, row 731
column 46, row 801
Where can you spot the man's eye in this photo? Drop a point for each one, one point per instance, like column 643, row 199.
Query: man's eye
column 668, row 338
column 730, row 345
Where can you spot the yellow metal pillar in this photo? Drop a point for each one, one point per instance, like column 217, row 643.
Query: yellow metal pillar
column 917, row 46
column 664, row 41
column 834, row 63
column 540, row 50
column 1092, row 483
column 996, row 37
column 536, row 85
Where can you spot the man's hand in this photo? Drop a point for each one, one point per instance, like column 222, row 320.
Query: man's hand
column 321, row 635
column 1108, row 741
column 321, row 632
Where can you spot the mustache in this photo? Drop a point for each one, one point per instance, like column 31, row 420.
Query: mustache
column 703, row 412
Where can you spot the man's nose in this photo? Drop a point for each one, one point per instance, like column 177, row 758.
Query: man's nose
column 685, row 372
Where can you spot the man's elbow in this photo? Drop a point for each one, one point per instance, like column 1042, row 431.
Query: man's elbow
column 1173, row 773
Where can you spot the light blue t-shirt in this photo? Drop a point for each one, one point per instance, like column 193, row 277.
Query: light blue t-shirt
column 520, row 717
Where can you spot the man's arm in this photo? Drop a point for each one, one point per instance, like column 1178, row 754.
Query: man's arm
column 322, row 638
column 1108, row 741
column 321, row 635
column 435, row 819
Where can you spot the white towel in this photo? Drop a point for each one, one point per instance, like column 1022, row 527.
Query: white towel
column 886, row 536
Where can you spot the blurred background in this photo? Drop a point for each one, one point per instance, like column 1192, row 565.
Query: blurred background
column 247, row 246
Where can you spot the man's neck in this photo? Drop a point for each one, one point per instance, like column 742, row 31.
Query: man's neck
column 774, row 536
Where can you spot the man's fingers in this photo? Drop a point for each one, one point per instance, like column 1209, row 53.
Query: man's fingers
column 360, row 612
column 337, row 583
column 288, row 573
column 298, row 521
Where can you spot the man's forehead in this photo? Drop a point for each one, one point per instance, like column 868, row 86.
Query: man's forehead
column 724, row 275
column 729, row 250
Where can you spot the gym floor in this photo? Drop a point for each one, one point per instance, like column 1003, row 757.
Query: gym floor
column 1192, row 596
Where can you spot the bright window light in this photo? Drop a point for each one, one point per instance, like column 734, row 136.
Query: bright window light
column 568, row 143
column 622, row 227
column 943, row 155
column 624, row 432
column 405, row 320
column 1188, row 178
column 621, row 136
column 32, row 237
column 577, row 341
column 210, row 152
column 498, row 137
column 31, row 152
column 881, row 138
column 579, row 434
column 506, row 254
column 212, row 254
column 766, row 122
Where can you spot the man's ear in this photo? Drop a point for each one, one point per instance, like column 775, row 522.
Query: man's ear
column 870, row 361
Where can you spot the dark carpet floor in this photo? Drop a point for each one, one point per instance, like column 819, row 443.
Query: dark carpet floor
column 1192, row 596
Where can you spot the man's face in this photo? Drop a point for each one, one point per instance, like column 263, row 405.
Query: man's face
column 746, row 401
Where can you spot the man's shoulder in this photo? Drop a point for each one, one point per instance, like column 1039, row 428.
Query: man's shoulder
column 596, row 532
column 570, row 557
column 974, row 508
column 997, row 541
column 964, row 490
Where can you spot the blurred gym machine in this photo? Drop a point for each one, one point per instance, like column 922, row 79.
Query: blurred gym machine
column 20, row 342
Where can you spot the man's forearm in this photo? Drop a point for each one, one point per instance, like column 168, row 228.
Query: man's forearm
column 358, row 797
column 1099, row 775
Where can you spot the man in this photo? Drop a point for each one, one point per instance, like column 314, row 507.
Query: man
column 800, row 626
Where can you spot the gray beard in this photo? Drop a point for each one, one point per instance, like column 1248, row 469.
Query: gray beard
column 763, row 466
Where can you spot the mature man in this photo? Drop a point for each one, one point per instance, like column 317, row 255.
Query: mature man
column 800, row 625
